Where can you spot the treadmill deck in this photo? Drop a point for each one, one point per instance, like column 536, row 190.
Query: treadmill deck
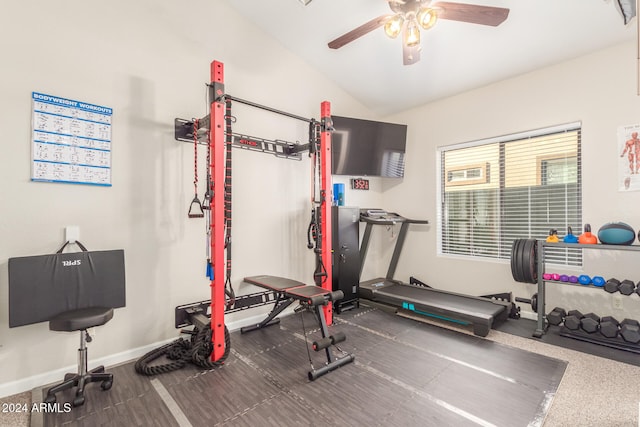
column 459, row 308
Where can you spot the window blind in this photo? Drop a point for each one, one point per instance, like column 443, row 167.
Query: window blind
column 516, row 186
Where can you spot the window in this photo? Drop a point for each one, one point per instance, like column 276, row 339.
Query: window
column 536, row 187
column 469, row 174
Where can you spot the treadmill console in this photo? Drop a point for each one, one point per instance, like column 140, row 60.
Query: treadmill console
column 379, row 216
column 376, row 213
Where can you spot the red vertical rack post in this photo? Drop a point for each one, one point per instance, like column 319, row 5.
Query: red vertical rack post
column 325, row 206
column 216, row 169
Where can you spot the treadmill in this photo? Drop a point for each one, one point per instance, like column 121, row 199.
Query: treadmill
column 418, row 297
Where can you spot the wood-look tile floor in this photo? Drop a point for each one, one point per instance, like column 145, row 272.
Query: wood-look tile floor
column 406, row 373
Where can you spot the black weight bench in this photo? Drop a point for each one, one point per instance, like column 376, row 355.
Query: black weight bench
column 313, row 298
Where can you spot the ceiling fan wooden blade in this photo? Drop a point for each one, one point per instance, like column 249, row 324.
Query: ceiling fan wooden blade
column 475, row 14
column 359, row 32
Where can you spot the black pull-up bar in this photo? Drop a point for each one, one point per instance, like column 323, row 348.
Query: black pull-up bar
column 264, row 107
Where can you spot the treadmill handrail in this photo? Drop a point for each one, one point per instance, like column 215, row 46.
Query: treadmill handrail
column 377, row 220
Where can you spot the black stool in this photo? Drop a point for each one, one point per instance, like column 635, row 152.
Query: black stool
column 81, row 320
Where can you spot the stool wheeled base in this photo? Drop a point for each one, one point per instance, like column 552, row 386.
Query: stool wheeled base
column 80, row 381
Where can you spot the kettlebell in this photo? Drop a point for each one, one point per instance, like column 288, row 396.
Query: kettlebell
column 570, row 237
column 553, row 236
column 586, row 237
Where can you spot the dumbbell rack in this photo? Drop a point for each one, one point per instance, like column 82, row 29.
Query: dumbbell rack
column 541, row 327
column 617, row 342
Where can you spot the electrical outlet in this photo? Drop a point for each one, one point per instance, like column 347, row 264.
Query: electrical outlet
column 617, row 302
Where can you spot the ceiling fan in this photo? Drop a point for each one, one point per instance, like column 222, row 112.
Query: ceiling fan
column 409, row 15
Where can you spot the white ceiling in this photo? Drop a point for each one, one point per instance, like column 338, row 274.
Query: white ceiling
column 456, row 56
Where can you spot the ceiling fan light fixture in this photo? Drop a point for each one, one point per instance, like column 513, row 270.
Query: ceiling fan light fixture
column 427, row 17
column 393, row 27
column 412, row 34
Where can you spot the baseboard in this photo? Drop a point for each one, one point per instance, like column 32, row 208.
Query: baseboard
column 51, row 377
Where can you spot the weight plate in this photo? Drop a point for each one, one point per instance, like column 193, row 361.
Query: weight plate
column 534, row 302
column 524, row 262
column 530, row 261
column 515, row 252
column 519, row 261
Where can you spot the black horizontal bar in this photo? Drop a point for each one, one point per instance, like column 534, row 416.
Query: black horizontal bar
column 264, row 107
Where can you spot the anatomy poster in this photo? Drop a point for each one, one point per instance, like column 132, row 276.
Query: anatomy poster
column 629, row 158
column 71, row 141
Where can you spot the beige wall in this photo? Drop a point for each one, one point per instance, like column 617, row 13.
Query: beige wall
column 600, row 91
column 149, row 61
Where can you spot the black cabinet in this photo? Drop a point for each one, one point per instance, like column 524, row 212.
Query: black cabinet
column 346, row 255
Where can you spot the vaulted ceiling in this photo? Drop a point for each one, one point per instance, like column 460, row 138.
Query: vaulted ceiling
column 455, row 56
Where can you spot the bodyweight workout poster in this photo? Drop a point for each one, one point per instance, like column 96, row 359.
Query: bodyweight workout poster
column 71, row 141
column 629, row 158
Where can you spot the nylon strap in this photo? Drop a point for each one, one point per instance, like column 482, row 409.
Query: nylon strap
column 227, row 199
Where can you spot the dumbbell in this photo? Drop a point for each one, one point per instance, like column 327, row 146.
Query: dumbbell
column 609, row 327
column 590, row 323
column 598, row 281
column 627, row 287
column 583, row 279
column 556, row 316
column 611, row 285
column 630, row 331
column 572, row 321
